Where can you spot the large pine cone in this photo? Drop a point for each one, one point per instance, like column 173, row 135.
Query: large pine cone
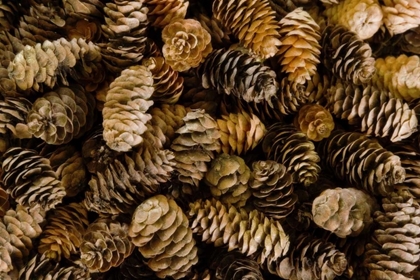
column 315, row 121
column 163, row 12
column 400, row 16
column 348, row 57
column 13, row 113
column 162, row 234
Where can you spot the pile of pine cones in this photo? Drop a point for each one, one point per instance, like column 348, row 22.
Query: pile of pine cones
column 214, row 139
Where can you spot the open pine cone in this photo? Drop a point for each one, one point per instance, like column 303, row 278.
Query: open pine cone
column 315, row 121
column 163, row 12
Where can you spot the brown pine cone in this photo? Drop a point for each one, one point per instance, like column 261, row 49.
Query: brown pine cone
column 400, row 16
column 83, row 28
column 4, row 202
column 315, row 121
column 7, row 15
column 411, row 41
column 272, row 189
column 218, row 32
column 135, row 268
column 234, row 266
column 162, row 234
column 163, row 12
column 29, row 179
column 13, row 113
column 83, row 9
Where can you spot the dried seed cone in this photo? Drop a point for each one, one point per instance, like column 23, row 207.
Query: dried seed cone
column 252, row 233
column 315, row 121
column 63, row 233
column 400, row 16
column 7, row 11
column 219, row 33
column 375, row 111
column 134, row 268
column 394, row 251
column 163, row 12
column 272, row 189
column 291, row 97
column 361, row 161
column 362, row 17
column 105, row 244
column 410, row 41
column 286, row 145
column 252, row 22
column 200, row 98
column 300, row 49
column 124, row 113
column 237, row 73
column 4, row 202
column 13, row 113
column 162, row 234
column 235, row 266
column 29, row 179
column 346, row 55
column 58, row 116
column 186, row 44
column 83, row 8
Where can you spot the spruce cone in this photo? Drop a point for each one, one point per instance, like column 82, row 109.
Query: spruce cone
column 374, row 111
column 272, row 189
column 105, row 244
column 286, row 145
column 315, row 121
column 234, row 266
column 363, row 17
column 400, row 16
column 83, row 9
column 163, row 12
column 348, row 57
column 124, row 113
column 13, row 113
column 252, row 22
column 233, row 72
column 4, row 202
column 161, row 232
column 29, row 179
column 300, row 50
column 64, row 231
column 362, row 162
column 218, row 32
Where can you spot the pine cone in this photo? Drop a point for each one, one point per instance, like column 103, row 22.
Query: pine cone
column 161, row 232
column 4, row 202
column 234, row 266
column 135, row 268
column 218, row 32
column 272, row 189
column 315, row 121
column 374, row 111
column 363, row 17
column 29, row 179
column 83, row 28
column 362, row 162
column 13, row 113
column 411, row 41
column 233, row 72
column 163, row 12
column 400, row 16
column 252, row 22
column 200, row 98
column 286, row 145
column 7, row 17
column 348, row 57
column 300, row 50
column 186, row 44
column 64, row 231
column 58, row 116
column 83, row 9
column 124, row 113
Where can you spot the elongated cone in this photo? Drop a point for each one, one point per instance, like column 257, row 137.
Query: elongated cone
column 218, row 32
column 315, row 121
column 235, row 266
column 163, row 12
column 400, row 16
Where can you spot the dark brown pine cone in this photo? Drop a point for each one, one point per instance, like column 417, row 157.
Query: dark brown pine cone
column 234, row 266
column 4, row 202
column 13, row 113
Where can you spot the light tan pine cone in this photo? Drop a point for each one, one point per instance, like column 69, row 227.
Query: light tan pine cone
column 400, row 16
column 4, row 202
column 13, row 113
column 29, row 179
column 125, row 110
column 315, row 121
column 83, row 9
column 163, row 12
column 162, row 234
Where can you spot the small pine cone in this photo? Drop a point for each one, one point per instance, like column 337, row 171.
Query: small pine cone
column 163, row 12
column 124, row 113
column 363, row 17
column 410, row 41
column 237, row 73
column 83, row 9
column 168, row 83
column 300, row 49
column 348, row 57
column 186, row 44
column 361, row 161
column 252, row 233
column 57, row 116
column 160, row 230
column 4, row 202
column 252, row 22
column 374, row 111
column 394, row 251
column 64, row 231
column 105, row 244
column 345, row 212
column 13, row 113
column 29, row 179
column 286, row 145
column 400, row 16
column 234, row 266
column 315, row 121
column 272, row 189
column 240, row 132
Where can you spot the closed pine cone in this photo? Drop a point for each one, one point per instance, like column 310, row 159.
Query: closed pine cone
column 160, row 230
column 400, row 16
column 252, row 22
column 315, row 121
column 163, row 12
column 13, row 113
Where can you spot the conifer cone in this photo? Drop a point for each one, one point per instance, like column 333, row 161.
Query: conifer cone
column 162, row 234
column 83, row 9
column 9, row 45
column 237, row 73
column 163, row 12
column 252, row 233
column 135, row 267
column 58, row 116
column 29, row 179
column 272, row 189
column 394, row 250
column 7, row 15
column 253, row 23
column 361, row 17
column 234, row 266
column 400, row 16
column 4, row 202
column 348, row 57
column 200, row 98
column 286, row 145
column 13, row 113
column 64, row 231
column 168, row 83
column 315, row 121
column 83, row 28
column 300, row 50
column 105, row 244
column 375, row 111
column 361, row 161
column 410, row 41
column 124, row 113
